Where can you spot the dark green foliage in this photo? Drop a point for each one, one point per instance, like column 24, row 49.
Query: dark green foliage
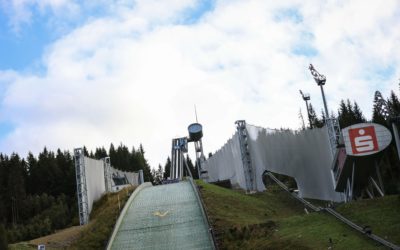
column 393, row 105
column 125, row 160
column 192, row 168
column 3, row 238
column 349, row 114
column 167, row 168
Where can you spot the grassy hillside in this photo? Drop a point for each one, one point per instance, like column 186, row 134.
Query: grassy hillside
column 92, row 236
column 381, row 214
column 273, row 220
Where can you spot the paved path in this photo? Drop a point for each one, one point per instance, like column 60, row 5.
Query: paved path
column 163, row 217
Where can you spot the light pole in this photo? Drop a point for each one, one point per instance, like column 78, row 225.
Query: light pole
column 331, row 123
column 320, row 80
column 306, row 98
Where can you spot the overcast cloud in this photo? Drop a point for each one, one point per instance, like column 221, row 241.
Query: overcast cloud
column 132, row 73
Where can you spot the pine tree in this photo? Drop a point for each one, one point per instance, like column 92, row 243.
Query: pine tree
column 358, row 115
column 192, row 168
column 167, row 168
column 378, row 110
column 349, row 114
column 393, row 105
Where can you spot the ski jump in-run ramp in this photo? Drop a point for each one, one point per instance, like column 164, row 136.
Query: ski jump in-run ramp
column 163, row 217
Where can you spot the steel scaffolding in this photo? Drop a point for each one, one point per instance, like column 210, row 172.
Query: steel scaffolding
column 81, row 186
column 107, row 174
column 249, row 174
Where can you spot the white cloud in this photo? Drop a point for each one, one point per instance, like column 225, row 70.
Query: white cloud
column 135, row 75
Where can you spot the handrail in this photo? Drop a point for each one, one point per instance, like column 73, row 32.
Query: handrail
column 201, row 204
column 335, row 214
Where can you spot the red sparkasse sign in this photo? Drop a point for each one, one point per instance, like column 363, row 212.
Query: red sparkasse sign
column 363, row 140
column 366, row 138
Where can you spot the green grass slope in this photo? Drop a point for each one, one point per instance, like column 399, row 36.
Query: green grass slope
column 274, row 220
column 381, row 214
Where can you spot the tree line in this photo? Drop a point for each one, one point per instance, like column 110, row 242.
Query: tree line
column 38, row 194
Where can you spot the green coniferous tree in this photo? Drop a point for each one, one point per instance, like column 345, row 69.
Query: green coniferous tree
column 167, row 168
column 393, row 105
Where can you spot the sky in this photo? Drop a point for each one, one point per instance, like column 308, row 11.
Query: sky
column 92, row 73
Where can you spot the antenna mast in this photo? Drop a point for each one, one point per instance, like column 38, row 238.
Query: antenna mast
column 195, row 112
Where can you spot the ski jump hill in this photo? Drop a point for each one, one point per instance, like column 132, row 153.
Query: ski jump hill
column 163, row 217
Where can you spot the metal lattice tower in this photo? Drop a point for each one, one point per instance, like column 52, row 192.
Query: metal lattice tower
column 198, row 145
column 81, row 186
column 107, row 174
column 245, row 155
column 179, row 146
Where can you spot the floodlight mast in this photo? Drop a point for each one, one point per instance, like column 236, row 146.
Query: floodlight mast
column 306, row 98
column 320, row 80
column 331, row 123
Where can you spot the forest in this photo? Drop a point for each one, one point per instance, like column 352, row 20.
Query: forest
column 38, row 194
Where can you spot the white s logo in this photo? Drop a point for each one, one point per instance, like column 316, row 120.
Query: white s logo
column 364, row 142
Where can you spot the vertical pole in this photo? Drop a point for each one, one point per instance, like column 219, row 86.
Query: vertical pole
column 396, row 138
column 352, row 181
column 308, row 114
column 378, row 174
column 141, row 178
column 325, row 105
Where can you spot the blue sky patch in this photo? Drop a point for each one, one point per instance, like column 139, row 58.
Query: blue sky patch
column 385, row 72
column 304, row 45
column 192, row 15
column 304, row 50
column 5, row 129
column 20, row 50
column 288, row 14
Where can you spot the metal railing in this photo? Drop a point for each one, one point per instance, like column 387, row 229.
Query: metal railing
column 365, row 231
column 203, row 211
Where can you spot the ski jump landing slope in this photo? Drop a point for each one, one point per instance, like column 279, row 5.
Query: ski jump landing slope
column 162, row 217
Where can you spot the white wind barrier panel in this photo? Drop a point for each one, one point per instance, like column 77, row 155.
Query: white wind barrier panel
column 226, row 163
column 94, row 180
column 304, row 155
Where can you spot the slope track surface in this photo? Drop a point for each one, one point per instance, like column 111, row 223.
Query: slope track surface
column 163, row 217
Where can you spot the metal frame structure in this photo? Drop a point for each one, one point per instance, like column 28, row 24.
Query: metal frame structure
column 179, row 146
column 249, row 173
column 81, row 189
column 198, row 145
column 107, row 174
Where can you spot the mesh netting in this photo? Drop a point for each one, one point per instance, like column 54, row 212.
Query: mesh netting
column 164, row 217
